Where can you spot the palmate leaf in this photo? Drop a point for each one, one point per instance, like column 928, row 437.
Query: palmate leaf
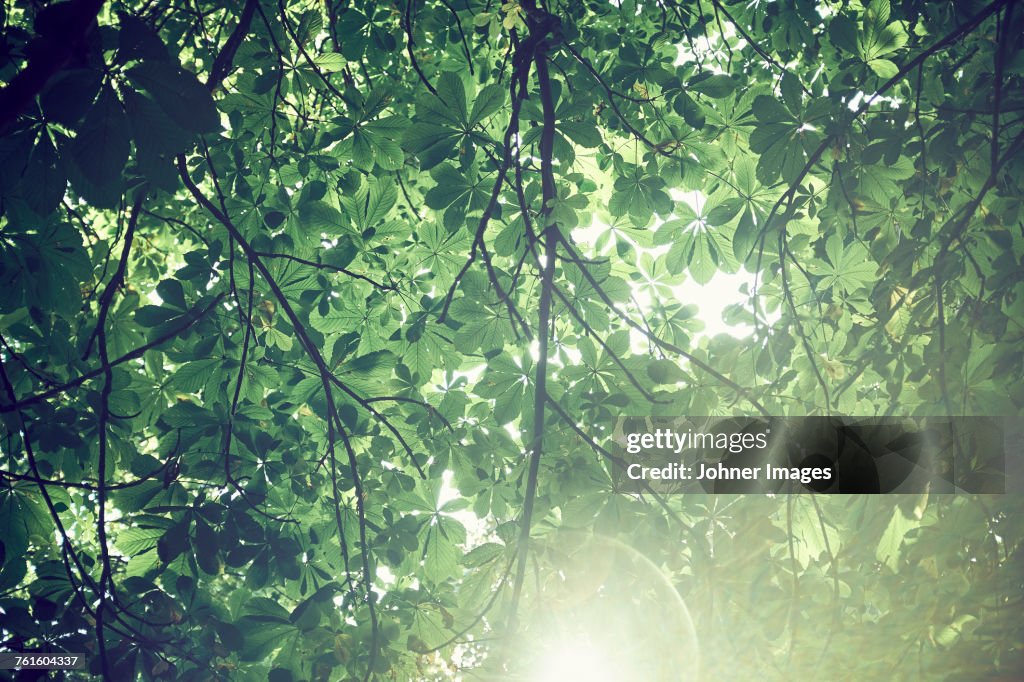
column 445, row 122
column 425, row 354
column 879, row 182
column 376, row 143
column 851, row 266
column 371, row 203
column 878, row 36
column 47, row 270
column 697, row 251
column 69, row 96
column 443, row 249
column 486, row 328
column 506, row 383
column 777, row 140
column 639, row 197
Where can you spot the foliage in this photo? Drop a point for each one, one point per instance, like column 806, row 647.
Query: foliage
column 317, row 316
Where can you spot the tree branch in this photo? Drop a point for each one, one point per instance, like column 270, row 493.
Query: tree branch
column 222, row 65
column 332, row 268
column 326, row 377
column 545, row 328
column 92, row 374
column 658, row 341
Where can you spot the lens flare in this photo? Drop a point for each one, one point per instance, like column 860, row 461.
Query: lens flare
column 577, row 659
column 600, row 610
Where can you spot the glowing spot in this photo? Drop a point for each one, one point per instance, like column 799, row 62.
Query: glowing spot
column 577, row 659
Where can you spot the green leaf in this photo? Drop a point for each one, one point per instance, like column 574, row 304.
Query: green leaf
column 319, row 217
column 852, row 266
column 100, row 150
column 135, row 541
column 69, row 94
column 890, row 545
column 173, row 542
column 152, row 315
column 137, row 40
column 482, row 554
column 181, row 96
column 452, row 92
column 45, row 181
column 440, row 558
column 688, row 108
column 791, row 92
column 716, row 86
column 881, row 182
column 842, row 30
column 883, row 68
column 697, row 250
column 770, row 110
column 377, row 366
column 330, row 62
column 583, row 134
column 665, row 372
column 337, row 321
column 489, row 100
column 230, row 635
column 152, row 129
column 194, row 375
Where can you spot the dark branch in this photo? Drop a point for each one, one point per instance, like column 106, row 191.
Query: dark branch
column 223, row 64
column 545, row 328
column 332, row 268
column 131, row 355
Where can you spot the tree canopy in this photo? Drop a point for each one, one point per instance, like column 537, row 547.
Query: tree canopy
column 317, row 318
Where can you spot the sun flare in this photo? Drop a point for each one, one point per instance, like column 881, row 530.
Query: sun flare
column 578, row 659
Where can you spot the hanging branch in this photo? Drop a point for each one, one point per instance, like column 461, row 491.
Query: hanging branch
column 592, row 333
column 433, row 411
column 462, row 37
column 189, row 320
column 531, row 241
column 229, row 478
column 106, row 300
column 833, row 562
column 407, row 23
column 331, row 268
column 223, row 64
column 107, row 297
column 788, row 294
column 357, row 485
column 958, row 225
column 68, row 552
column 517, row 89
column 326, row 378
column 771, row 61
column 665, row 149
column 497, row 590
column 542, row 25
column 302, row 50
column 388, row 425
column 336, row 499
column 623, row 464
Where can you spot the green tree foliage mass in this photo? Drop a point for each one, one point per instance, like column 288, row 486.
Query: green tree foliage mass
column 316, row 316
